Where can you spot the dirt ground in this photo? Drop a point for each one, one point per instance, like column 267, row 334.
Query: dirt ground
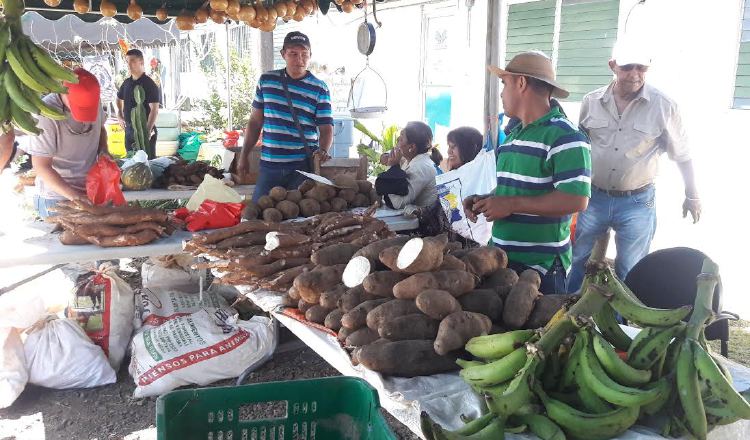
column 109, row 412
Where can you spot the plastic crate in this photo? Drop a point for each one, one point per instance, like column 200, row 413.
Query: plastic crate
column 334, row 408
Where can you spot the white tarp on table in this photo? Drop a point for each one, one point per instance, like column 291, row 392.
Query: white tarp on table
column 446, row 396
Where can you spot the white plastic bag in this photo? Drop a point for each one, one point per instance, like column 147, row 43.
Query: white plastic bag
column 103, row 304
column 140, row 156
column 60, row 355
column 157, row 306
column 475, row 177
column 212, row 189
column 171, row 272
column 200, row 348
column 19, row 312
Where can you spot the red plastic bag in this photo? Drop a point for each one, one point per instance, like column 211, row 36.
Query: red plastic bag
column 103, row 182
column 231, row 138
column 214, row 215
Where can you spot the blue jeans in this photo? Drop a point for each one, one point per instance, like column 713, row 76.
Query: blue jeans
column 42, row 205
column 270, row 177
column 633, row 218
column 553, row 282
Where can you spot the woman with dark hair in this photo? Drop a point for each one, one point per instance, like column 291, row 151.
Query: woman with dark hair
column 410, row 180
column 464, row 143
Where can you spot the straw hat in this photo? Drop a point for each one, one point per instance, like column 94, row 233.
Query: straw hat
column 536, row 65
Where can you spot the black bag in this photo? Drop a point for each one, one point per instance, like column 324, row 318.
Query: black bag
column 308, row 151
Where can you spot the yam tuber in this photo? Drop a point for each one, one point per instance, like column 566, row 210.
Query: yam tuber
column 390, row 310
column 404, row 358
column 437, row 304
column 272, row 215
column 363, row 336
column 422, row 254
column 289, row 210
column 330, row 298
column 306, row 186
column 531, row 276
column 452, row 263
column 277, row 193
column 347, row 195
column 294, row 196
column 484, row 301
column 545, row 307
column 364, row 186
column 382, row 283
column 333, row 320
column 414, row 326
column 311, row 284
column 519, row 304
column 455, row 282
column 366, row 260
column 501, row 281
column 485, row 260
column 309, row 207
column 317, row 314
column 389, row 256
column 338, row 204
column 265, row 202
column 354, row 297
column 457, row 328
column 357, row 317
column 334, row 254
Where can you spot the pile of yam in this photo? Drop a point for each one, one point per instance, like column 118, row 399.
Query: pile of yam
column 312, row 198
column 407, row 306
column 187, row 173
column 270, row 255
column 109, row 226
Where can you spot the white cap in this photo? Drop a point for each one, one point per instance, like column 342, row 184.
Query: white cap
column 630, row 52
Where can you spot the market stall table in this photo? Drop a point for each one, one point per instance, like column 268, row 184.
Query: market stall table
column 445, row 396
column 33, row 244
column 160, row 193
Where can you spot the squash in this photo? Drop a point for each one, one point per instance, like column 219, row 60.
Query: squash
column 137, row 177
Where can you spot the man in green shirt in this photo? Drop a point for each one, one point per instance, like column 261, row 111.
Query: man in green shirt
column 543, row 174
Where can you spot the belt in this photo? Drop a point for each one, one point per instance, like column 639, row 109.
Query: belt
column 617, row 193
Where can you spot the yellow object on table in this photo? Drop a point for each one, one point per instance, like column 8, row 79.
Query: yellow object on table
column 116, row 140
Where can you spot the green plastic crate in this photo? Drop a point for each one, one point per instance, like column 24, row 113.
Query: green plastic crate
column 333, row 408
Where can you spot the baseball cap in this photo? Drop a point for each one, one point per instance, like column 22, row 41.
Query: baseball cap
column 630, row 52
column 83, row 97
column 536, row 65
column 296, row 38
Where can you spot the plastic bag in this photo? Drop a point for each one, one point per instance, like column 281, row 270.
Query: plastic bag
column 475, row 177
column 190, row 145
column 103, row 306
column 214, row 215
column 231, row 138
column 140, row 156
column 59, row 355
column 160, row 164
column 19, row 312
column 200, row 348
column 103, row 182
column 212, row 189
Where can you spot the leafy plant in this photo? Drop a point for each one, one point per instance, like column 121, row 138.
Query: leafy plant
column 242, row 90
column 377, row 146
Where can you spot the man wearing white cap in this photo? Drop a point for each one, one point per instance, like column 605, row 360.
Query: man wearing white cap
column 543, row 171
column 630, row 124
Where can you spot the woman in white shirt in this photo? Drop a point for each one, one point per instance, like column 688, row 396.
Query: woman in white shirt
column 410, row 182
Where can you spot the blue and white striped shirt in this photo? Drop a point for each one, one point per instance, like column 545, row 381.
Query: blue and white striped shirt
column 282, row 146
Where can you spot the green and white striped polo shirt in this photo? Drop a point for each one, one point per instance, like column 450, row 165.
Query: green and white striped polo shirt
column 547, row 155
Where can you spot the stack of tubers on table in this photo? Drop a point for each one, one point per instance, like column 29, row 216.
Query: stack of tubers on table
column 269, row 255
column 311, row 199
column 408, row 305
column 109, row 226
column 186, row 173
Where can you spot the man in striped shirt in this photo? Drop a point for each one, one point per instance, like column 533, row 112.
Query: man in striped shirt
column 283, row 151
column 543, row 174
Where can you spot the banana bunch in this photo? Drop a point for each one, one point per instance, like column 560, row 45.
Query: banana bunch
column 26, row 72
column 575, row 379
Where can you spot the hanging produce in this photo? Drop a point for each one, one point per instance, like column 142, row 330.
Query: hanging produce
column 233, row 9
column 134, row 10
column 28, row 73
column 162, row 14
column 246, row 14
column 108, row 8
column 52, row 3
column 219, row 5
column 185, row 21
column 80, row 6
column 218, row 17
column 201, row 15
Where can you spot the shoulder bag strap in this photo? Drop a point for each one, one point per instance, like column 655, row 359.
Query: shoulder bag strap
column 284, row 81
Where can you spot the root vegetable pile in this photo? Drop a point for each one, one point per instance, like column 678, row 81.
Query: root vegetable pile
column 310, row 255
column 311, row 199
column 186, row 173
column 109, row 226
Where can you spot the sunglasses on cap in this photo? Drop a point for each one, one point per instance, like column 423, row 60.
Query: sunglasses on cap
column 638, row 67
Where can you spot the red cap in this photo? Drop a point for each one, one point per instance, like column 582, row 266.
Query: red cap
column 83, row 97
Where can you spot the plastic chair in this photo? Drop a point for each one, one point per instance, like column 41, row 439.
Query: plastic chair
column 666, row 279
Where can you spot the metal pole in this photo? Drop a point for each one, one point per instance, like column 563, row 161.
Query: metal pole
column 229, row 80
column 492, row 57
column 266, row 51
